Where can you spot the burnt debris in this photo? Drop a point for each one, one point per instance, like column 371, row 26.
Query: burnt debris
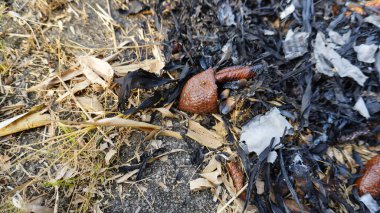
column 322, row 69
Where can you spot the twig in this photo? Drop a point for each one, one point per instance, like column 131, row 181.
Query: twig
column 112, row 28
column 232, row 199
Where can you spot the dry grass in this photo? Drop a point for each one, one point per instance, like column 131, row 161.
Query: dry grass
column 63, row 163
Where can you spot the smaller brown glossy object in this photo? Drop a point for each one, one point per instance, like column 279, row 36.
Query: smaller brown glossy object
column 234, row 73
column 370, row 181
column 237, row 177
column 199, row 95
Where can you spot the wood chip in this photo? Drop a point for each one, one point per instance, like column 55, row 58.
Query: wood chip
column 204, row 136
column 150, row 65
column 127, row 176
column 200, row 184
column 91, row 104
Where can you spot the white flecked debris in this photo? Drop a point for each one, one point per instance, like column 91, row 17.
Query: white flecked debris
column 373, row 19
column 288, row 10
column 257, row 134
column 366, row 52
column 341, row 66
column 361, row 108
column 295, row 44
column 338, row 38
column 371, row 203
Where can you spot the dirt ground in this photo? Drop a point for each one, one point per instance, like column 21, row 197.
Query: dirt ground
column 53, row 35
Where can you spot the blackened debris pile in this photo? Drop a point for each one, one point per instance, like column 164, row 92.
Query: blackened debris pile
column 324, row 67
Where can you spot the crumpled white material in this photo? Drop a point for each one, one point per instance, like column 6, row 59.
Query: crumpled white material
column 324, row 54
column 257, row 134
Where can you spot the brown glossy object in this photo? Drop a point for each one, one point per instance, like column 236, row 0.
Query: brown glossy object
column 234, row 73
column 237, row 177
column 370, row 181
column 200, row 93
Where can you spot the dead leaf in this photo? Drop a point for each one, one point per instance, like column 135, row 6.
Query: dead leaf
column 92, row 76
column 213, row 172
column 166, row 112
column 334, row 153
column 61, row 172
column 212, row 165
column 32, row 119
column 98, row 66
column 204, row 136
column 91, row 104
column 65, row 172
column 77, row 87
column 220, row 128
column 19, row 203
column 214, row 177
column 150, row 65
column 200, row 184
column 52, row 80
column 109, row 155
column 5, row 163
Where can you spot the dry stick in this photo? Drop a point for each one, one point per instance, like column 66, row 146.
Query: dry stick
column 1, row 87
column 81, row 107
column 34, row 35
column 232, row 199
column 56, row 203
column 113, row 30
column 80, row 46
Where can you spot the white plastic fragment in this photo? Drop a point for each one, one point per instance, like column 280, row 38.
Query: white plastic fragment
column 373, row 19
column 295, row 44
column 361, row 108
column 269, row 32
column 366, row 52
column 288, row 10
column 272, row 157
column 258, row 133
column 339, row 39
column 324, row 54
column 371, row 203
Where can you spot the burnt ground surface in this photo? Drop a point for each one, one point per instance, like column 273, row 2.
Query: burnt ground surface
column 332, row 139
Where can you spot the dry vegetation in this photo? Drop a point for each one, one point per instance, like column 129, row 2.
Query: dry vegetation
column 65, row 164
